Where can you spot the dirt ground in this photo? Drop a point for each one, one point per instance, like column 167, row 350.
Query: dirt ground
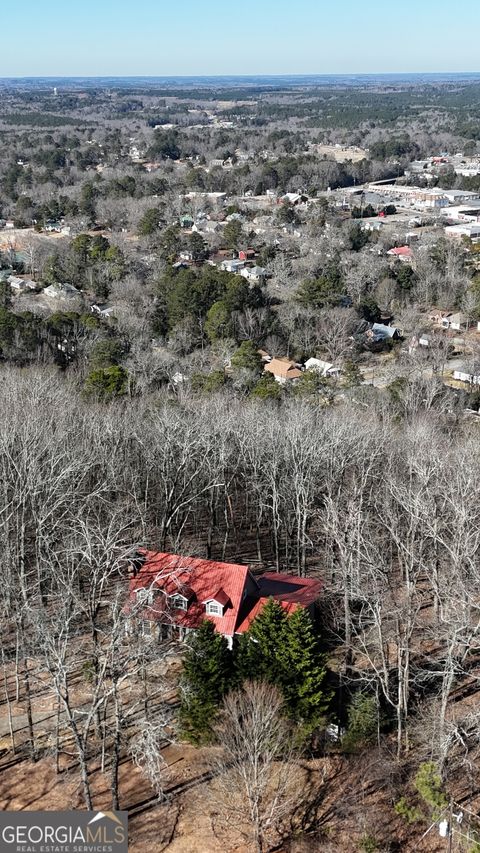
column 341, row 800
column 342, row 154
column 347, row 804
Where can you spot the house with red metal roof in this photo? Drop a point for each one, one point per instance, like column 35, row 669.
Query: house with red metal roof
column 403, row 253
column 172, row 594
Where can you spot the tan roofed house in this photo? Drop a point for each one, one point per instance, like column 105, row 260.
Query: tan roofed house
column 283, row 370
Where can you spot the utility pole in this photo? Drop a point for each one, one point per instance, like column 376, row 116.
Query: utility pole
column 450, row 828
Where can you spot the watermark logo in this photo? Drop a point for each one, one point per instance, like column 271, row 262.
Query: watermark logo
column 64, row 832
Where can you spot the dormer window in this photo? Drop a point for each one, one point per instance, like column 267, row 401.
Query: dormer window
column 213, row 608
column 179, row 602
column 216, row 605
column 144, row 596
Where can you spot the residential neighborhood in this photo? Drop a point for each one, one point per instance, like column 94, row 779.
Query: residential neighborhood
column 240, row 386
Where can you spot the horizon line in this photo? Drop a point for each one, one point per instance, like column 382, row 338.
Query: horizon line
column 242, row 76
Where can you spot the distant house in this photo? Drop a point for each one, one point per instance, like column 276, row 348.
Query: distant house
column 186, row 221
column 59, row 291
column 52, row 225
column 471, row 230
column 21, row 284
column 459, row 322
column 247, row 254
column 422, row 340
column 469, row 373
column 206, row 226
column 403, row 253
column 293, row 198
column 102, row 310
column 324, row 368
column 379, row 331
column 232, row 265
column 283, row 370
column 172, row 595
column 254, row 273
column 449, row 320
column 440, row 317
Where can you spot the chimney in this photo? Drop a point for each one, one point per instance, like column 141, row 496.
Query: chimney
column 135, row 563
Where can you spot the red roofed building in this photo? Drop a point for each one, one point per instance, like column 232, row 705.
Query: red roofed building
column 177, row 593
column 402, row 252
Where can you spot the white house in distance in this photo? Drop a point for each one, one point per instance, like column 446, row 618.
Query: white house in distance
column 469, row 373
column 253, row 273
column 232, row 265
column 463, row 212
column 102, row 310
column 57, row 291
column 459, row 322
column 324, row 368
column 465, row 229
column 20, row 284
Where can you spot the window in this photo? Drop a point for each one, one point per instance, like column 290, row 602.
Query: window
column 213, row 608
column 144, row 596
column 179, row 602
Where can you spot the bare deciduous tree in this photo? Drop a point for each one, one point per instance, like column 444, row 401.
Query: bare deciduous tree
column 255, row 773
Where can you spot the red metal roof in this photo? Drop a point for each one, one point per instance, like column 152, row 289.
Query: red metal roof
column 208, row 580
column 290, row 591
column 204, row 579
column 254, row 607
column 401, row 251
column 290, row 588
column 220, row 596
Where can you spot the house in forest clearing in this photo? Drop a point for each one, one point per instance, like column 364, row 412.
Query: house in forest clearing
column 171, row 595
column 283, row 370
column 254, row 274
column 468, row 373
column 459, row 322
column 59, row 290
column 403, row 253
column 323, row 368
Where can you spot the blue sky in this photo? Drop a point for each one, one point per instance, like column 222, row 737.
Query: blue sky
column 164, row 37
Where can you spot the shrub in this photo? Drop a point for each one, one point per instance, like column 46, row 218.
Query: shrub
column 362, row 722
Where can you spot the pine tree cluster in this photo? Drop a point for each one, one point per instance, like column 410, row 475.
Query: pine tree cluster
column 278, row 648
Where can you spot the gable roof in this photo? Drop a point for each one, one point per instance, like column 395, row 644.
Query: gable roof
column 290, row 591
column 401, row 252
column 197, row 579
column 253, row 607
column 220, row 597
column 283, row 367
column 241, row 595
column 459, row 317
column 384, row 331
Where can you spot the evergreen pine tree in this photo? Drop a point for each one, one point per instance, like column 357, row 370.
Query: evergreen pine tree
column 363, row 720
column 261, row 647
column 206, row 677
column 303, row 671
